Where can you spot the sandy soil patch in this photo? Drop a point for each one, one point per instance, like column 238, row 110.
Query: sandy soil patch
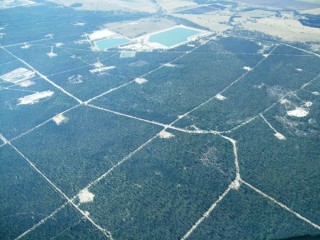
column 128, row 54
column 284, row 101
column 220, row 97
column 3, row 139
column 169, row 65
column 18, row 75
column 59, row 44
column 52, row 54
column 247, row 68
column 308, row 104
column 85, row 196
column 141, row 80
column 60, row 119
column 280, row 136
column 299, row 112
column 86, row 213
column 102, row 69
column 235, row 185
column 98, row 64
column 25, row 46
column 136, row 47
column 165, row 135
column 35, row 98
column 75, row 79
column 26, row 83
column 80, row 24
column 100, row 34
column 49, row 35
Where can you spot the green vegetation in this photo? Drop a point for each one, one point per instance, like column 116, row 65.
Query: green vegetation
column 57, row 21
column 26, row 197
column 37, row 58
column 17, row 119
column 247, row 51
column 90, row 143
column 5, row 58
column 162, row 191
column 286, row 170
column 259, row 89
column 247, row 216
column 66, row 224
column 167, row 94
column 74, row 74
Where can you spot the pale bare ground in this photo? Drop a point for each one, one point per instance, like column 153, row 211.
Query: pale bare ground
column 133, row 29
column 35, row 98
column 315, row 47
column 164, row 134
column 128, row 54
column 257, row 13
column 2, row 138
column 298, row 112
column 141, row 80
column 279, row 136
column 52, row 54
column 285, row 27
column 99, row 34
column 246, row 68
column 25, row 46
column 220, row 97
column 170, row 65
column 111, row 5
column 310, row 1
column 174, row 5
column 235, row 185
column 276, row 133
column 315, row 11
column 60, row 119
column 85, row 196
column 15, row 3
column 18, row 75
column 217, row 22
column 102, row 69
column 26, row 83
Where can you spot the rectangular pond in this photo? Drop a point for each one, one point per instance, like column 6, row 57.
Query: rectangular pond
column 108, row 43
column 174, row 36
